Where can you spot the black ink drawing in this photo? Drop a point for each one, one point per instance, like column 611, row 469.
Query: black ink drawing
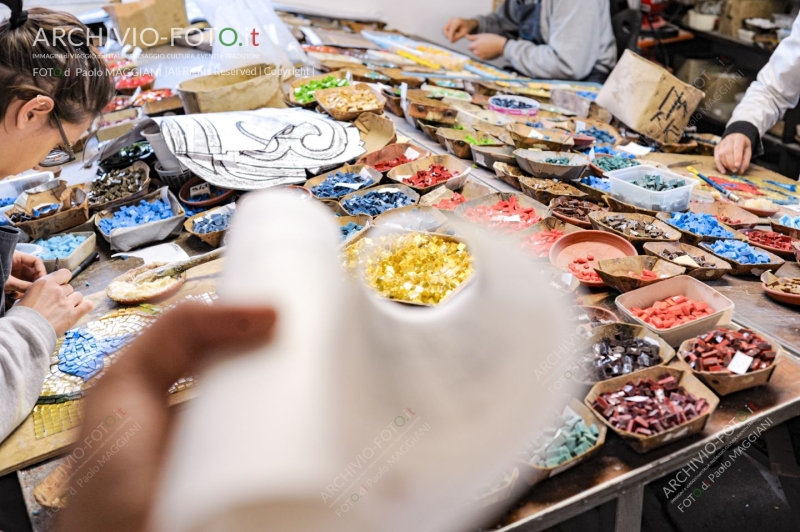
column 258, row 149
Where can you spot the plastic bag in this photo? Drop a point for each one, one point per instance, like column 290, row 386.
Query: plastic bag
column 247, row 32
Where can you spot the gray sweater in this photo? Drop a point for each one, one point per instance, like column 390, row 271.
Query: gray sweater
column 576, row 37
column 26, row 342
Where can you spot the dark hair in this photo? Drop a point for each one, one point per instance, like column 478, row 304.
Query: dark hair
column 68, row 70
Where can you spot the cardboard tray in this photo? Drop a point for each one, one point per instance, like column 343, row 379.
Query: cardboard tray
column 398, row 77
column 212, row 239
column 509, row 174
column 593, row 194
column 486, row 156
column 455, row 141
column 412, row 218
column 460, row 170
column 720, row 268
column 526, row 137
column 492, row 199
column 471, row 190
column 324, row 99
column 642, row 444
column 620, row 206
column 597, row 334
column 545, row 190
column 575, row 221
column 240, row 89
column 375, row 232
column 695, row 239
column 424, row 108
column 125, row 239
column 361, row 169
column 362, row 219
column 670, row 233
column 614, row 272
column 737, row 268
column 393, row 151
column 430, row 129
column 724, row 384
column 533, row 474
column 547, row 224
column 61, row 221
column 394, row 103
column 134, row 195
column 729, row 210
column 534, row 163
column 292, row 98
column 75, row 258
column 682, row 285
column 408, row 191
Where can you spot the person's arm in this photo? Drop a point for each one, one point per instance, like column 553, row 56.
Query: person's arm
column 776, row 89
column 26, row 342
column 497, row 23
column 572, row 44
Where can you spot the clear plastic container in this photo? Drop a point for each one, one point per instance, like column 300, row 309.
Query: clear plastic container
column 668, row 200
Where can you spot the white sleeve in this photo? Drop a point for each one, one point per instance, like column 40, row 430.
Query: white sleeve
column 777, row 87
column 26, row 342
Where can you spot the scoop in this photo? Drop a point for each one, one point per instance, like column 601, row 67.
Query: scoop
column 175, row 268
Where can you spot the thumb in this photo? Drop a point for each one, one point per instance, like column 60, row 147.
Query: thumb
column 192, row 333
column 16, row 285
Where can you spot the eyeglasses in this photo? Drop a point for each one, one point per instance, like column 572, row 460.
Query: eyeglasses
column 57, row 156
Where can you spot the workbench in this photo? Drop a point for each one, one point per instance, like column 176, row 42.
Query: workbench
column 616, row 472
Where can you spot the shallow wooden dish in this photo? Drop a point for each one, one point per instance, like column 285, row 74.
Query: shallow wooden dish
column 782, row 297
column 600, row 244
column 455, row 141
column 730, row 211
column 459, row 170
column 695, row 239
column 615, row 271
column 720, row 268
column 737, row 268
column 592, row 193
column 393, row 151
column 132, row 274
column 397, row 76
column 724, row 384
column 782, row 253
column 670, row 234
column 761, row 213
column 430, row 128
column 492, row 199
column 546, row 190
column 534, row 162
column 362, row 219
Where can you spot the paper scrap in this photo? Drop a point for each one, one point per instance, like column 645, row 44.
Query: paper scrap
column 170, row 252
column 740, row 363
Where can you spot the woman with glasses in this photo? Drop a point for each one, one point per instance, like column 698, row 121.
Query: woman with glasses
column 39, row 111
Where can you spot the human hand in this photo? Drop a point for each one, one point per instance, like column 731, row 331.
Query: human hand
column 121, row 494
column 25, row 269
column 457, row 28
column 733, row 153
column 487, row 45
column 53, row 298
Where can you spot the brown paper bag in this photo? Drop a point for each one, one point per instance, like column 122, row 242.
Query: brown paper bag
column 147, row 23
column 649, row 99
